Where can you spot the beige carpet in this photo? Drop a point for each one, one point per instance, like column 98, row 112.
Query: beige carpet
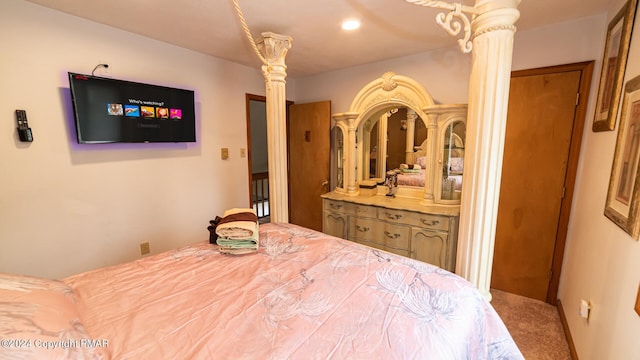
column 534, row 325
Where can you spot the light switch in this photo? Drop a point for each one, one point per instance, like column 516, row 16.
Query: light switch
column 225, row 153
column 243, row 152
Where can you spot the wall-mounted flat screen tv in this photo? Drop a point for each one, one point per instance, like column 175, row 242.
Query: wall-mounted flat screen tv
column 108, row 110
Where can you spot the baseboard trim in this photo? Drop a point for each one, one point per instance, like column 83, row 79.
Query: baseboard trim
column 567, row 332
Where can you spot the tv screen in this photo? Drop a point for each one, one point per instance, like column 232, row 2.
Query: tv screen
column 108, row 110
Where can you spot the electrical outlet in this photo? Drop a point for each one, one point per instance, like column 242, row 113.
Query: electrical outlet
column 144, row 248
column 585, row 309
column 243, row 152
column 225, row 153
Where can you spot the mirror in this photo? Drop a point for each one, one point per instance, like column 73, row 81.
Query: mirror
column 394, row 124
column 453, row 160
column 339, row 158
column 395, row 139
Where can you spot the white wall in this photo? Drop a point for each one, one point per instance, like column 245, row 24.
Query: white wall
column 65, row 207
column 602, row 263
column 444, row 73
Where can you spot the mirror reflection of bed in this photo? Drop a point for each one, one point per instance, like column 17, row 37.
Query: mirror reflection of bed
column 396, row 139
column 405, row 143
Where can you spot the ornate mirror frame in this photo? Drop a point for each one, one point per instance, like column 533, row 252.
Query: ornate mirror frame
column 388, row 91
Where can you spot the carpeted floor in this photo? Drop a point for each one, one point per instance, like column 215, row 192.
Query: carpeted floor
column 534, row 325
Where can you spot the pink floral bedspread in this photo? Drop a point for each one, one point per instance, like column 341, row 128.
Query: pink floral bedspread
column 411, row 179
column 304, row 295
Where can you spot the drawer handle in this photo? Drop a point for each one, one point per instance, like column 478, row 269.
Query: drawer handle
column 430, row 222
column 334, row 206
column 391, row 236
column 393, row 217
column 362, row 228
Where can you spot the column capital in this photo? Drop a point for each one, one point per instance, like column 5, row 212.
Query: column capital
column 274, row 47
column 495, row 15
column 349, row 118
column 412, row 115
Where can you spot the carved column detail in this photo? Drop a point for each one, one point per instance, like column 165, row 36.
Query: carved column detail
column 274, row 49
column 487, row 114
column 347, row 122
column 411, row 134
column 432, row 153
column 351, row 157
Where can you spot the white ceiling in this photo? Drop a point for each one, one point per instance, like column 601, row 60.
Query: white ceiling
column 390, row 28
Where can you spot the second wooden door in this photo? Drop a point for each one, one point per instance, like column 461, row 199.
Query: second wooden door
column 309, row 162
column 538, row 144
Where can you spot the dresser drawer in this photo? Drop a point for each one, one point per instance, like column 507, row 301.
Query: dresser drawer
column 428, row 221
column 365, row 211
column 398, row 216
column 380, row 233
column 336, row 206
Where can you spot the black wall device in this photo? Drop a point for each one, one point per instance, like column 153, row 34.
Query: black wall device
column 24, row 131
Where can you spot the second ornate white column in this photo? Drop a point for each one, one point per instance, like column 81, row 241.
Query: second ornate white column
column 274, row 48
column 411, row 132
column 486, row 122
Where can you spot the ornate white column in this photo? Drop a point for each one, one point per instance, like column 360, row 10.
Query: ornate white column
column 273, row 48
column 348, row 121
column 488, row 97
column 432, row 153
column 383, row 125
column 411, row 132
column 351, row 157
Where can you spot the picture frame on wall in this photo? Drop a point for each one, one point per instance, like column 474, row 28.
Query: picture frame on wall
column 614, row 63
column 624, row 185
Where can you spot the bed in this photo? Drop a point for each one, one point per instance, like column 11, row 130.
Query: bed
column 418, row 160
column 303, row 295
column 413, row 178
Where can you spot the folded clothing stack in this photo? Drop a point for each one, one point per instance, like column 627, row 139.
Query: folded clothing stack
column 238, row 231
column 410, row 168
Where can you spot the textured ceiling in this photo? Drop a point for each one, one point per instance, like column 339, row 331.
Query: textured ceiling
column 390, row 28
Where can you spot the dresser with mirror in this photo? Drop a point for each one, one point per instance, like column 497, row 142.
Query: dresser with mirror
column 394, row 127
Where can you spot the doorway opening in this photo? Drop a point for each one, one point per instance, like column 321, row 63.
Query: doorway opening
column 257, row 155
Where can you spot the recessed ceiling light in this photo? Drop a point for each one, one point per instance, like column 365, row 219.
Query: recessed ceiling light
column 350, row 24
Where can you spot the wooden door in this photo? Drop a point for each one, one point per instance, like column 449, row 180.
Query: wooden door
column 543, row 135
column 257, row 157
column 309, row 162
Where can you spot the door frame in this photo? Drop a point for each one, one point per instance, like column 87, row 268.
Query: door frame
column 586, row 74
column 248, row 99
column 261, row 98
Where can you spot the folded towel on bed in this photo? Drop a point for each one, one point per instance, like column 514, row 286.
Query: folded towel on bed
column 410, row 171
column 237, row 244
column 238, row 232
column 404, row 167
column 229, row 246
column 238, row 223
